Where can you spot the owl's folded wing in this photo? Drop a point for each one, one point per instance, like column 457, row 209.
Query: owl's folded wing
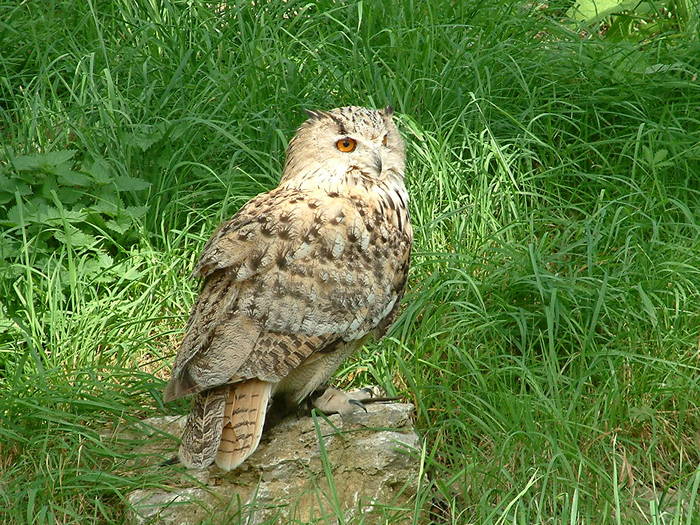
column 292, row 273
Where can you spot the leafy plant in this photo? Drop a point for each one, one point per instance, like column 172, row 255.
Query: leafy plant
column 49, row 200
column 636, row 20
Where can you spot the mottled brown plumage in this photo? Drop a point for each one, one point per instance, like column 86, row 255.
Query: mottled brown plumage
column 295, row 282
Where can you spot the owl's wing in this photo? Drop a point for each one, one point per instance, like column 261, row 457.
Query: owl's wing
column 291, row 274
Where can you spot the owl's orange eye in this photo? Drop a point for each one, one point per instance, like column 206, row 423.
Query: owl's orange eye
column 346, row 145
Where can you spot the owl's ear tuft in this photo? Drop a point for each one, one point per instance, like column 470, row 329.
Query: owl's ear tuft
column 313, row 114
column 388, row 111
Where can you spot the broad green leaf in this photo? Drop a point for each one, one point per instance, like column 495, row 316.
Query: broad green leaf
column 98, row 265
column 121, row 225
column 135, row 212
column 27, row 212
column 99, row 169
column 660, row 156
column 69, row 177
column 13, row 185
column 40, row 161
column 104, row 207
column 105, row 260
column 126, row 183
column 47, row 188
column 52, row 215
column 107, row 201
column 68, row 195
column 590, row 11
column 31, row 177
column 144, row 137
column 14, row 218
column 75, row 238
column 6, row 197
column 8, row 247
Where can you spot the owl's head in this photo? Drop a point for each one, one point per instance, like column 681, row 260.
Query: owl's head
column 332, row 144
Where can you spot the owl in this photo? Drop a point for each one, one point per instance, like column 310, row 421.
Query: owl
column 294, row 283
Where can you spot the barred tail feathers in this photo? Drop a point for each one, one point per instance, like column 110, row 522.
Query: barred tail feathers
column 244, row 416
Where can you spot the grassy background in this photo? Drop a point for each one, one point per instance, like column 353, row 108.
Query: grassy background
column 550, row 332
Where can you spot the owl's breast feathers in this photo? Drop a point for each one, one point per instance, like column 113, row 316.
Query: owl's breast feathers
column 294, row 271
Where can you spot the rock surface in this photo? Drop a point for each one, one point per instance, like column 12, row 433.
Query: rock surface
column 365, row 467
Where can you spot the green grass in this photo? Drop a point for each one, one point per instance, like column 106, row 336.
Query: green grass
column 549, row 336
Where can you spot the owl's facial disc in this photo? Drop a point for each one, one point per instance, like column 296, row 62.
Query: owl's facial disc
column 351, row 140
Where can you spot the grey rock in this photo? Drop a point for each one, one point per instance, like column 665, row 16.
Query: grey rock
column 307, row 469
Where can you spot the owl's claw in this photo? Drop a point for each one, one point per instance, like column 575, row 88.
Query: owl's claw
column 368, row 391
column 357, row 403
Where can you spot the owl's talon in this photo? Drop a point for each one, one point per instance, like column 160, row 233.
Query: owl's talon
column 357, row 404
column 368, row 390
